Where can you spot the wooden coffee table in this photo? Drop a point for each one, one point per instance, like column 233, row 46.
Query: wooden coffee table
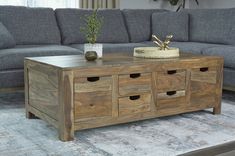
column 73, row 94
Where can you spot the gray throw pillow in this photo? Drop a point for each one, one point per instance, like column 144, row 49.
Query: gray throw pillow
column 212, row 25
column 31, row 26
column 175, row 23
column 138, row 23
column 6, row 39
column 71, row 20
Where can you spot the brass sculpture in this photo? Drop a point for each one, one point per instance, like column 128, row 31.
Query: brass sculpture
column 162, row 45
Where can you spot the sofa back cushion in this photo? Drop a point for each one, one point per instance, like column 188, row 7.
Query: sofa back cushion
column 171, row 23
column 212, row 25
column 6, row 39
column 138, row 22
column 71, row 20
column 30, row 25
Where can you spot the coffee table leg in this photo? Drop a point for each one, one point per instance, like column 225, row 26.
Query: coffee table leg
column 217, row 110
column 66, row 134
column 30, row 115
column 66, row 112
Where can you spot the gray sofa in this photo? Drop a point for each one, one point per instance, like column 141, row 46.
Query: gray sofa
column 45, row 32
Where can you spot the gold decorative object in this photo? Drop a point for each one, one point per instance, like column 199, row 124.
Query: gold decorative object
column 162, row 51
column 161, row 44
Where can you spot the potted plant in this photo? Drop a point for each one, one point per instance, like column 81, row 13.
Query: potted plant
column 91, row 29
column 181, row 3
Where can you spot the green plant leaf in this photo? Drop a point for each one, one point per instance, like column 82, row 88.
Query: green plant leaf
column 92, row 27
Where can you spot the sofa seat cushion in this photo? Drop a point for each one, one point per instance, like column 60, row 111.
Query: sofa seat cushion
column 6, row 39
column 138, row 22
column 228, row 77
column 12, row 78
column 192, row 47
column 228, row 52
column 121, row 48
column 71, row 21
column 14, row 58
column 171, row 23
column 212, row 25
column 30, row 25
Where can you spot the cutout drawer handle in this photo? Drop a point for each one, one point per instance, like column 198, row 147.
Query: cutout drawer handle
column 170, row 93
column 134, row 97
column 204, row 69
column 93, row 79
column 136, row 75
column 171, row 72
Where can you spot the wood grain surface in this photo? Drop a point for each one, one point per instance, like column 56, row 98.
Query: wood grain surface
column 73, row 94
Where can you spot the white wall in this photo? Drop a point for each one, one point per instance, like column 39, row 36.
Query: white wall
column 213, row 4
column 146, row 4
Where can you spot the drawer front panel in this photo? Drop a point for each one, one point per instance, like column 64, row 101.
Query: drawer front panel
column 91, row 84
column 134, row 83
column 171, row 100
column 202, row 88
column 134, row 104
column 93, row 97
column 204, row 74
column 93, row 104
column 171, row 80
column 203, row 101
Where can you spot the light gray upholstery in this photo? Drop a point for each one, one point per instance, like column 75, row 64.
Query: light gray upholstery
column 12, row 78
column 212, row 25
column 229, row 77
column 138, row 22
column 124, row 48
column 14, row 58
column 209, row 32
column 228, row 52
column 71, row 20
column 6, row 39
column 171, row 23
column 192, row 47
column 113, row 29
column 30, row 25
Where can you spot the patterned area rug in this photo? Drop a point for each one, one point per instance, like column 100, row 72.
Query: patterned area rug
column 166, row 136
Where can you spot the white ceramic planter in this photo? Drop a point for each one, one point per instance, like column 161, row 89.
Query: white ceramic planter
column 98, row 48
column 155, row 52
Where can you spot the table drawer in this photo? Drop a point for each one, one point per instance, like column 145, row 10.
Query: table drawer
column 202, row 88
column 204, row 74
column 203, row 101
column 134, row 104
column 93, row 104
column 134, row 83
column 93, row 97
column 91, row 84
column 171, row 100
column 171, row 80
